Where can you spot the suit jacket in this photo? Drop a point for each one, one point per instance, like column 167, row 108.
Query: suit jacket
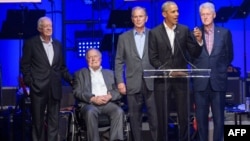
column 38, row 74
column 127, row 56
column 160, row 51
column 218, row 61
column 82, row 88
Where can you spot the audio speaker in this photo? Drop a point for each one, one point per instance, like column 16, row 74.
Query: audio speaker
column 247, row 87
column 8, row 96
column 234, row 94
column 67, row 97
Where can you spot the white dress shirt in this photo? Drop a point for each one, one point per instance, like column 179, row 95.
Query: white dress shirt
column 49, row 50
column 140, row 42
column 171, row 35
column 97, row 82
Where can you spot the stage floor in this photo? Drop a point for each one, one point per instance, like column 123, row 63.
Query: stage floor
column 14, row 128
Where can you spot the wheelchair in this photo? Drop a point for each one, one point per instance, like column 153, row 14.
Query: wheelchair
column 78, row 132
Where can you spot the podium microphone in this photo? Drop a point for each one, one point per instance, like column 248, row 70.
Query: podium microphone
column 176, row 32
column 113, row 47
column 163, row 66
column 1, row 100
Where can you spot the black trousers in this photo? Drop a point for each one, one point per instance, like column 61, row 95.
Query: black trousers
column 163, row 89
column 44, row 107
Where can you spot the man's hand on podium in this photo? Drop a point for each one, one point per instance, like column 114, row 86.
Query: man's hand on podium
column 177, row 74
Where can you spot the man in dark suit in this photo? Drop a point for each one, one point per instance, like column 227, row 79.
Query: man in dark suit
column 168, row 44
column 132, row 53
column 217, row 54
column 96, row 93
column 43, row 67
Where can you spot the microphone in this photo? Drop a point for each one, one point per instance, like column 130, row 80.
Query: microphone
column 113, row 47
column 179, row 47
column 162, row 66
column 1, row 105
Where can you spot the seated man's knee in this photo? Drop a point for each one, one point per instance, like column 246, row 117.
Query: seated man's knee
column 90, row 113
column 119, row 112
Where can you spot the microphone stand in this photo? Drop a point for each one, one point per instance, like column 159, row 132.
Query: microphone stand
column 1, row 105
column 176, row 41
column 21, row 36
column 113, row 47
column 52, row 12
column 182, row 53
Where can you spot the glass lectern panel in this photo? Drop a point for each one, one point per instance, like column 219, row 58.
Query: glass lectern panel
column 177, row 73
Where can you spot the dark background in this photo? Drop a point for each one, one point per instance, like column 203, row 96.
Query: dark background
column 103, row 21
column 75, row 20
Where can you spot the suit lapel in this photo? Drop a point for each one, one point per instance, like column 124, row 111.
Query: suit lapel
column 178, row 34
column 165, row 38
column 87, row 78
column 204, row 39
column 145, row 49
column 216, row 36
column 132, row 42
column 56, row 52
column 43, row 52
column 106, row 79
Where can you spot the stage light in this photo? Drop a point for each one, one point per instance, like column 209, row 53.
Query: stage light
column 84, row 44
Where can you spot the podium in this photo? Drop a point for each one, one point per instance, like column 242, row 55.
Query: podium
column 175, row 74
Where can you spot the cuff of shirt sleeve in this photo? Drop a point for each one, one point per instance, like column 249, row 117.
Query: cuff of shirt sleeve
column 200, row 43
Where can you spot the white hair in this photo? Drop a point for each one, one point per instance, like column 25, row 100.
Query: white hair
column 40, row 21
column 208, row 5
column 97, row 50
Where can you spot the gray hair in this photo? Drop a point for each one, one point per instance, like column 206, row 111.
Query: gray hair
column 166, row 5
column 138, row 7
column 208, row 5
column 97, row 50
column 40, row 21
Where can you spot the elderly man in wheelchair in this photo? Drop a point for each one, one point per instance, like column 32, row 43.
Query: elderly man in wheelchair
column 95, row 91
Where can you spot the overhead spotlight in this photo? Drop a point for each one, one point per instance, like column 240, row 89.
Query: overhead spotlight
column 84, row 44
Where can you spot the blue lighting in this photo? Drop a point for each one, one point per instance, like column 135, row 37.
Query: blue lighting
column 85, row 44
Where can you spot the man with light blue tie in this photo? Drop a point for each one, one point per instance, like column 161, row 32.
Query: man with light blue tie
column 132, row 54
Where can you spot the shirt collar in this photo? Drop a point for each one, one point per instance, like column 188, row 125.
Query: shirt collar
column 98, row 70
column 137, row 33
column 166, row 26
column 50, row 41
column 209, row 29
